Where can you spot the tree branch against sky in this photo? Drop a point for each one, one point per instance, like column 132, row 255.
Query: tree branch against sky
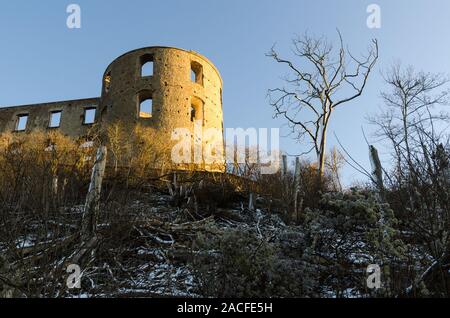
column 412, row 109
column 320, row 78
column 415, row 125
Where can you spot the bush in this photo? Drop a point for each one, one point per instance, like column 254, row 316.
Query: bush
column 344, row 235
column 239, row 264
column 40, row 171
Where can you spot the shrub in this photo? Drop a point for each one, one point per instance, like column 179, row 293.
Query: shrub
column 239, row 264
column 344, row 235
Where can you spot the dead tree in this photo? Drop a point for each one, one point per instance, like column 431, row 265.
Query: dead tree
column 377, row 169
column 414, row 126
column 92, row 204
column 298, row 197
column 322, row 80
column 335, row 160
column 409, row 101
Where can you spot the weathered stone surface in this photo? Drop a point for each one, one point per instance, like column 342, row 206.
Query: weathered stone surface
column 72, row 116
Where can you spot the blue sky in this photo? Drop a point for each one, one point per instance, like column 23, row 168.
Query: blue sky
column 42, row 60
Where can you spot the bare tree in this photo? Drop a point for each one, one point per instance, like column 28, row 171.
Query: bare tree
column 415, row 127
column 334, row 163
column 323, row 79
column 409, row 113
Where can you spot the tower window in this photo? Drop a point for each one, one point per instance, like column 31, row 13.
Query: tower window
column 192, row 113
column 107, row 82
column 147, row 65
column 89, row 115
column 55, row 119
column 146, row 108
column 22, row 121
column 196, row 109
column 196, row 73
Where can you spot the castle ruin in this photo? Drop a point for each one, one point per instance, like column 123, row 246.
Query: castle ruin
column 164, row 88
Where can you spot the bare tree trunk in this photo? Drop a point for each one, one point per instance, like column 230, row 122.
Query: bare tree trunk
column 377, row 170
column 92, row 204
column 321, row 163
column 294, row 216
column 251, row 202
column 284, row 171
column 323, row 142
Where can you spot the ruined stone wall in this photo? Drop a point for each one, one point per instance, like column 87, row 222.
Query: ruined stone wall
column 72, row 116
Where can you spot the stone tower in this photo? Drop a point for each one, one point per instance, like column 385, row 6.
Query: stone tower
column 167, row 89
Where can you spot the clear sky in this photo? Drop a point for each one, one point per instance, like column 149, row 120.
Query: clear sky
column 42, row 60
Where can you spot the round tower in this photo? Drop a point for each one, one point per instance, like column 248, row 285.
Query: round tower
column 171, row 90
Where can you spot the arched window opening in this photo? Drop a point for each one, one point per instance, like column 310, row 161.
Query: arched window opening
column 146, row 108
column 192, row 113
column 107, row 82
column 196, row 109
column 147, row 65
column 196, row 73
column 145, row 105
